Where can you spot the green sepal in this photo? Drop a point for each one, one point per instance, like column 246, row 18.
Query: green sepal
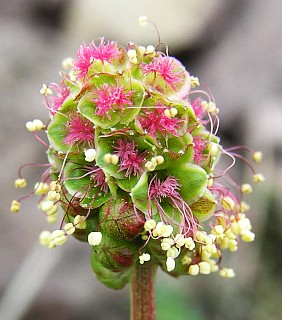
column 204, row 208
column 139, row 195
column 128, row 183
column 56, row 131
column 120, row 219
column 193, row 180
column 114, row 254
column 81, row 186
column 104, row 146
column 87, row 109
column 113, row 280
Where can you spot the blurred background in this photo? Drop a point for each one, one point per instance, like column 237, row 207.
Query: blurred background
column 235, row 47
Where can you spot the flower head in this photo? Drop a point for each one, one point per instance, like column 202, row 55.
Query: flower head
column 132, row 159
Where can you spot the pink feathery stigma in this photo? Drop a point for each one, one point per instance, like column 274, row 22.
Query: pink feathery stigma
column 124, row 147
column 130, row 158
column 79, row 130
column 83, row 61
column 56, row 101
column 100, row 180
column 164, row 189
column 166, row 68
column 198, row 109
column 110, row 97
column 105, row 51
column 199, row 145
column 157, row 122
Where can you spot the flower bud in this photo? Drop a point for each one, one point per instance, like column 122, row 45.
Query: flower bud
column 121, row 220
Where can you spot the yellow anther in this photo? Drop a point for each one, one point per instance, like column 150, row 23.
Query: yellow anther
column 111, row 158
column 228, row 203
column 132, row 55
column 257, row 156
column 52, row 218
column 244, row 224
column 54, row 196
column 258, row 177
column 218, row 231
column 170, row 113
column 194, row 82
column 189, row 243
column 54, row 186
column 41, row 188
column 150, row 165
column 67, row 63
column 150, row 49
column 164, row 230
column 170, row 264
column 58, row 237
column 172, row 252
column 45, row 90
column 244, row 207
column 143, row 21
column 186, row 260
column 69, row 228
column 247, row 236
column 94, row 238
column 212, row 107
column 246, row 188
column 45, row 238
column 15, row 207
column 179, row 240
column 150, row 224
column 233, row 245
column 20, row 183
column 52, row 211
column 90, row 155
column 167, row 243
column 204, row 267
column 227, row 273
column 144, row 257
column 34, row 125
column 47, row 205
column 194, row 269
column 38, row 124
column 159, row 159
column 79, row 222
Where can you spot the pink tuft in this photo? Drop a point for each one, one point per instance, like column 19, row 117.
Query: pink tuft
column 198, row 109
column 166, row 68
column 199, row 145
column 100, row 180
column 55, row 102
column 109, row 98
column 105, row 51
column 79, row 130
column 130, row 158
column 157, row 122
column 84, row 60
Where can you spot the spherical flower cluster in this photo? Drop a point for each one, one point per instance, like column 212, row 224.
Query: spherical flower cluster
column 133, row 158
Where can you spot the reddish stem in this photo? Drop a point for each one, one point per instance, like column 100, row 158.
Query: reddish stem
column 143, row 291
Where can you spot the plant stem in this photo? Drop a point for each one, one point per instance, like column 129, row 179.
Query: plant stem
column 143, row 291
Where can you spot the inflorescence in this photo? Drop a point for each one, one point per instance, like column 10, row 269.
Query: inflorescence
column 133, row 158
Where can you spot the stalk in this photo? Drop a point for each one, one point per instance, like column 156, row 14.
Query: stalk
column 143, row 291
